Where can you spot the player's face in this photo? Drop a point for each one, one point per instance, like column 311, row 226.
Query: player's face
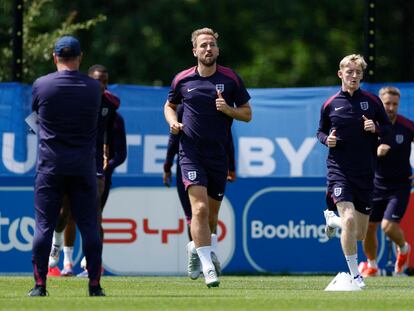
column 206, row 50
column 351, row 76
column 102, row 77
column 391, row 104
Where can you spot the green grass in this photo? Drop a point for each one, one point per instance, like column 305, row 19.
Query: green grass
column 235, row 293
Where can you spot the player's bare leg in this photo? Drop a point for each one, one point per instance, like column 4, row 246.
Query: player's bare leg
column 201, row 233
column 354, row 226
column 395, row 233
column 370, row 246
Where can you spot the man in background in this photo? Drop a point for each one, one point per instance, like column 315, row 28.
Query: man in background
column 110, row 152
column 392, row 187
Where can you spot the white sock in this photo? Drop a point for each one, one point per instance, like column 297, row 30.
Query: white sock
column 214, row 242
column 204, row 253
column 68, row 255
column 335, row 222
column 372, row 263
column 57, row 238
column 352, row 261
column 404, row 249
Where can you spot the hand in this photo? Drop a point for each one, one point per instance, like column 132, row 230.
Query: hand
column 167, row 179
column 369, row 125
column 231, row 176
column 221, row 104
column 105, row 156
column 105, row 163
column 176, row 127
column 382, row 150
column 331, row 140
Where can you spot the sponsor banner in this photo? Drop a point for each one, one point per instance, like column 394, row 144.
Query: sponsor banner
column 279, row 234
column 146, row 232
column 272, row 225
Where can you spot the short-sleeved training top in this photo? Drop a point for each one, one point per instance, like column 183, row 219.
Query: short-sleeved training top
column 206, row 128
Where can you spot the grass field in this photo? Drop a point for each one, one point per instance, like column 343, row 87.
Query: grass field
column 235, row 293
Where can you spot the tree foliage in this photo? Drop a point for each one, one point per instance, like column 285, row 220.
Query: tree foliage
column 38, row 45
column 270, row 43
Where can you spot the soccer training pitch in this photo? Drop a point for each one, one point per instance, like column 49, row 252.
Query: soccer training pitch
column 235, row 293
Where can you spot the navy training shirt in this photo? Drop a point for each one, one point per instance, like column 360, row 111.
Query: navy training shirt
column 355, row 151
column 394, row 168
column 67, row 104
column 206, row 128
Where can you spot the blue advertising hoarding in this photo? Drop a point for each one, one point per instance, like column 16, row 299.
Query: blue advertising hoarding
column 267, row 225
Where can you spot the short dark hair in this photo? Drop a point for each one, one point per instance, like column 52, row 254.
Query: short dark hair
column 97, row 67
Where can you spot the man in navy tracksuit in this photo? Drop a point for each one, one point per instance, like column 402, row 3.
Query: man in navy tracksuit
column 67, row 103
column 350, row 124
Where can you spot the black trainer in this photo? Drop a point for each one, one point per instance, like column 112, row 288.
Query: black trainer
column 37, row 291
column 96, row 291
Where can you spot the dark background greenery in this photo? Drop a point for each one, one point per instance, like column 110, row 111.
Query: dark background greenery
column 270, row 43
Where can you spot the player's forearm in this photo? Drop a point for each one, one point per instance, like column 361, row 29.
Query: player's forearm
column 169, row 113
column 241, row 113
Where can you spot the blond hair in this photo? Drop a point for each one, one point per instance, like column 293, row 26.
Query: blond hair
column 202, row 31
column 389, row 90
column 353, row 58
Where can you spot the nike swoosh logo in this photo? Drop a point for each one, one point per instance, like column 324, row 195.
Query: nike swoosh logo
column 190, row 90
column 337, row 108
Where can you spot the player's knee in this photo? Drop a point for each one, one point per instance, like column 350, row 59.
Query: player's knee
column 389, row 226
column 200, row 210
column 361, row 235
column 348, row 222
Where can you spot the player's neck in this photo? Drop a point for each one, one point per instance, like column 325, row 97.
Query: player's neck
column 71, row 66
column 351, row 91
column 206, row 71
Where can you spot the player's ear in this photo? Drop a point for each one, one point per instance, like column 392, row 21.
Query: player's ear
column 194, row 52
column 55, row 58
column 340, row 74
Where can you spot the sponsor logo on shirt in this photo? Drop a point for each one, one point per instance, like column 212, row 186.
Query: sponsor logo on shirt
column 190, row 90
column 399, row 138
column 192, row 175
column 338, row 108
column 364, row 105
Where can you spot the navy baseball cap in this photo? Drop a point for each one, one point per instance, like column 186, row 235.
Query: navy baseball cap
column 67, row 46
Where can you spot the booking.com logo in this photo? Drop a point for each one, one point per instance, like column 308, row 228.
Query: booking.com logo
column 291, row 230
